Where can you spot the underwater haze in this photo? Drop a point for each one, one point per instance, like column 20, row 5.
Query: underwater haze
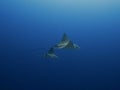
column 28, row 28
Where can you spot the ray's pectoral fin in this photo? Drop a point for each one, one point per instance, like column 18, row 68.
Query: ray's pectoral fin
column 50, row 54
column 64, row 41
column 70, row 45
column 51, row 50
column 64, row 38
column 76, row 46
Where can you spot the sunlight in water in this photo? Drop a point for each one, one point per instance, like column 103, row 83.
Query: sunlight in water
column 75, row 2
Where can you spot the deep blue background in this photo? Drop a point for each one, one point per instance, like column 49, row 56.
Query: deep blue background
column 28, row 28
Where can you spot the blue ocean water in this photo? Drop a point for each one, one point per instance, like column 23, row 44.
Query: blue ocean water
column 28, row 28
